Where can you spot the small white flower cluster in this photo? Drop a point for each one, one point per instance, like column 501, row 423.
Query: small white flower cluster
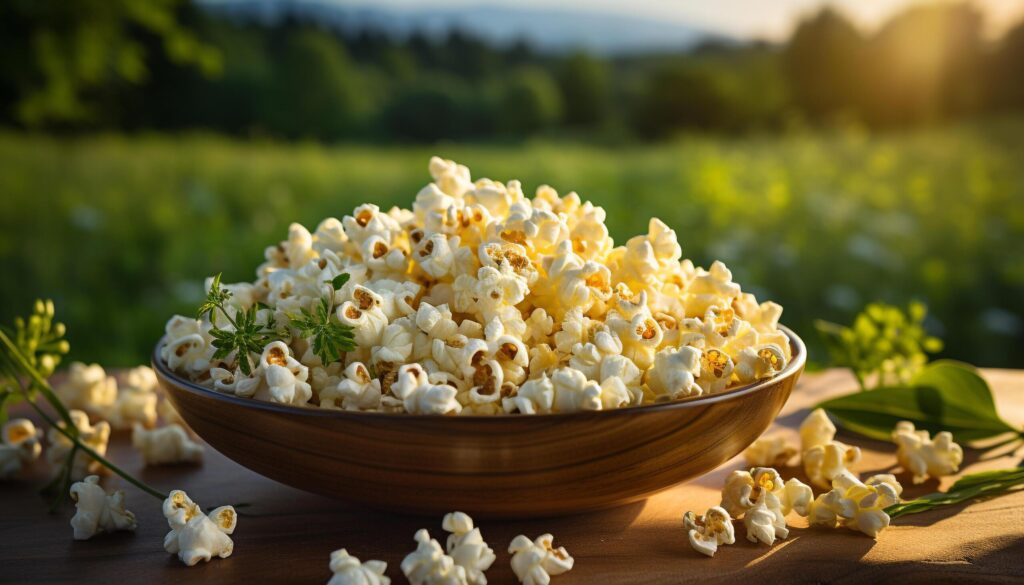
column 480, row 300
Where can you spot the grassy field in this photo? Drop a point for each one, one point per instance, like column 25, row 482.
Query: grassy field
column 121, row 231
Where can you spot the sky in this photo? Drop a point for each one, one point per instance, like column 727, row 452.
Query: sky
column 767, row 19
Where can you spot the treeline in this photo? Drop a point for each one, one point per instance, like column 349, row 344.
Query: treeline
column 297, row 80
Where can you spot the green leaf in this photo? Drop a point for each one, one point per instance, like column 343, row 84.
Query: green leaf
column 944, row 396
column 340, row 280
column 987, row 483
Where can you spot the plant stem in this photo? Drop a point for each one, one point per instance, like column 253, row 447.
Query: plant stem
column 103, row 460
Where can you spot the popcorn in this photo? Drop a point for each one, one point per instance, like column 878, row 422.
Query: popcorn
column 349, row 571
column 93, row 436
column 166, row 445
column 88, row 388
column 194, row 536
column 133, row 405
column 857, row 505
column 816, row 430
column 97, row 511
column 674, row 373
column 19, row 446
column 762, row 500
column 535, row 562
column 823, row 463
column 467, row 548
column 420, row 396
column 428, row 565
column 357, row 391
column 924, row 456
column 769, row 452
column 709, row 530
column 516, row 304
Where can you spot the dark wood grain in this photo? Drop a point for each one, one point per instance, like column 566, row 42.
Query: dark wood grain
column 506, row 466
column 287, row 535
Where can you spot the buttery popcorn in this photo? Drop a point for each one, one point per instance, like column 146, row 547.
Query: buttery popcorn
column 97, row 511
column 195, row 536
column 762, row 500
column 769, row 452
column 87, row 388
column 93, row 436
column 429, row 565
column 710, row 530
column 535, row 562
column 855, row 504
column 166, row 445
column 824, row 458
column 349, row 571
column 467, row 548
column 924, row 456
column 19, row 446
column 481, row 300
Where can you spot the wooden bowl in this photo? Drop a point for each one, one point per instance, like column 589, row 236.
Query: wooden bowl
column 503, row 466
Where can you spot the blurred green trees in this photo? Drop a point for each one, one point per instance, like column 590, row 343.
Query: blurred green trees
column 167, row 65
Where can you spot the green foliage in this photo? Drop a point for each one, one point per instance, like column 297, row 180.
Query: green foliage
column 884, row 346
column 59, row 55
column 968, row 487
column 330, row 339
column 944, row 396
column 40, row 341
column 245, row 336
column 531, row 102
column 584, row 84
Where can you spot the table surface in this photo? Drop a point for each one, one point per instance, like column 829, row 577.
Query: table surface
column 287, row 535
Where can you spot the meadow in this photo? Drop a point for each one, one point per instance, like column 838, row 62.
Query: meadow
column 121, row 231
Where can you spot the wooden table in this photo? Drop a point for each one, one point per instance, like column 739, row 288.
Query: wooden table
column 287, row 535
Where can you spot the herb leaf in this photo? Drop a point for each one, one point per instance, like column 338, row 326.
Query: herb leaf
column 247, row 337
column 944, row 396
column 340, row 280
column 215, row 299
column 330, row 339
column 986, row 483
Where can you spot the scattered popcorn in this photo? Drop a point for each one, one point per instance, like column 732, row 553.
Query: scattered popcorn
column 823, row 463
column 501, row 303
column 97, row 511
column 924, row 456
column 857, row 505
column 88, row 388
column 93, row 436
column 136, row 400
column 166, row 445
column 19, row 446
column 467, row 548
column 762, row 500
column 535, row 562
column 428, row 565
column 710, row 530
column 816, row 430
column 194, row 536
column 769, row 452
column 349, row 571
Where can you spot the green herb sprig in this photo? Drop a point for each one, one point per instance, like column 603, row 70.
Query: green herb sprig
column 975, row 485
column 246, row 335
column 884, row 346
column 330, row 337
column 26, row 359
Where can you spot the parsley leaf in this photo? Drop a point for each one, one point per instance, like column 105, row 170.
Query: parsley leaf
column 330, row 338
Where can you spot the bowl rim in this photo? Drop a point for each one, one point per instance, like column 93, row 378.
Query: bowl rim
column 793, row 368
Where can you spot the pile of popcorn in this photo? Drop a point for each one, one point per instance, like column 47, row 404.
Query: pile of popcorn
column 762, row 500
column 480, row 300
